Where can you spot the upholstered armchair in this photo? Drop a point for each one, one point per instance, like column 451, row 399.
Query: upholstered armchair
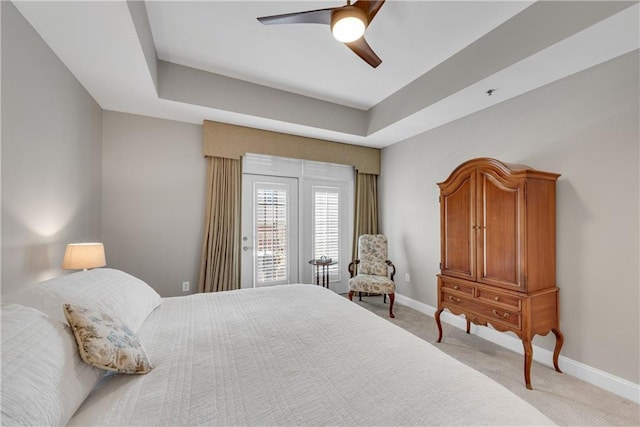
column 370, row 272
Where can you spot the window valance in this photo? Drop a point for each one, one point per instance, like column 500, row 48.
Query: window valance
column 232, row 142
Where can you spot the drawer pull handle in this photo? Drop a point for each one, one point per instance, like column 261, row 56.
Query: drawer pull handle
column 504, row 316
column 454, row 299
column 456, row 287
column 497, row 298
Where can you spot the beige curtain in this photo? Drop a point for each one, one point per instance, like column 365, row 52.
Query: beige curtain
column 220, row 264
column 366, row 208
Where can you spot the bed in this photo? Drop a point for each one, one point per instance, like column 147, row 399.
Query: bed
column 283, row 355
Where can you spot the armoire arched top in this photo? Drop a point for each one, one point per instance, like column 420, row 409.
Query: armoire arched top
column 502, row 170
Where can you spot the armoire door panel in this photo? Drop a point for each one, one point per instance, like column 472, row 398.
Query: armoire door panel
column 458, row 216
column 499, row 236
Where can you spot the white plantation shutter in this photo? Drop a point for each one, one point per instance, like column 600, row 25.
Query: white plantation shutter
column 326, row 226
column 271, row 236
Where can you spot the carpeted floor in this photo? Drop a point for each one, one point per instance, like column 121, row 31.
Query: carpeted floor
column 568, row 401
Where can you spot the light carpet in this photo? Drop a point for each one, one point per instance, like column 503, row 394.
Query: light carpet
column 568, row 401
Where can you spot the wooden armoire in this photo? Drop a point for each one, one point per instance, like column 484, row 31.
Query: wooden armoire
column 498, row 251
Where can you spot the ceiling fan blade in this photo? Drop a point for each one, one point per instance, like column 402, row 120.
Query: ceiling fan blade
column 320, row 16
column 370, row 7
column 361, row 48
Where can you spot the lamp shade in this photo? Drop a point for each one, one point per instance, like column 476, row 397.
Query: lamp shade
column 80, row 256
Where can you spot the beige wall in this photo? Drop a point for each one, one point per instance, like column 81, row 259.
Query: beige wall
column 51, row 159
column 153, row 199
column 585, row 127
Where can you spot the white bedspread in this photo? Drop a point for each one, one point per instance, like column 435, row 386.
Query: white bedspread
column 294, row 355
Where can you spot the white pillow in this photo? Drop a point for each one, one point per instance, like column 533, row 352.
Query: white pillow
column 44, row 381
column 103, row 289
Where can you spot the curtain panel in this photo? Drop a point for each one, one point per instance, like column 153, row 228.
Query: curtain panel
column 366, row 208
column 220, row 264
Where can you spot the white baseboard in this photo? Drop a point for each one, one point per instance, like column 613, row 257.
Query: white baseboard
column 586, row 373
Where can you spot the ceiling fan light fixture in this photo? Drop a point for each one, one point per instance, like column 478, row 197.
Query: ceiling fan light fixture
column 348, row 23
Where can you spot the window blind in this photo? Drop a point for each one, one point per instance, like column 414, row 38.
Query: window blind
column 326, row 226
column 271, row 236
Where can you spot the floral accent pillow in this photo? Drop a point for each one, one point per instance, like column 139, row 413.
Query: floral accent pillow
column 106, row 342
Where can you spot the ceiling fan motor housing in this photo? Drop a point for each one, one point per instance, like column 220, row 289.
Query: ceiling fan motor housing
column 344, row 23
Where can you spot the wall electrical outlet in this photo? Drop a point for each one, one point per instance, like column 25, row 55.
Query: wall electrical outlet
column 407, row 277
column 185, row 286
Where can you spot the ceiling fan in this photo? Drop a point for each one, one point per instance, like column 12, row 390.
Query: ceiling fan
column 348, row 24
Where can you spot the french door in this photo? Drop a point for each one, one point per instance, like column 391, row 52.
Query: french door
column 269, row 230
column 294, row 211
column 325, row 231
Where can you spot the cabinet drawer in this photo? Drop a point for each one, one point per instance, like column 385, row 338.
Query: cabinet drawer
column 499, row 299
column 457, row 287
column 492, row 312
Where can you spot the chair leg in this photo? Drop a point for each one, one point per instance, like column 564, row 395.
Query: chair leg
column 359, row 296
column 384, row 298
column 350, row 295
column 392, row 297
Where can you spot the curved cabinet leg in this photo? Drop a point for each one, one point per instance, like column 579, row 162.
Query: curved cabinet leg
column 437, row 316
column 392, row 298
column 528, row 356
column 556, row 351
column 468, row 324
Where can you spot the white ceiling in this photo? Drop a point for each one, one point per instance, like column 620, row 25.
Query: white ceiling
column 191, row 61
column 226, row 38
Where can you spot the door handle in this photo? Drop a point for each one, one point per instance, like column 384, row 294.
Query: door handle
column 246, row 248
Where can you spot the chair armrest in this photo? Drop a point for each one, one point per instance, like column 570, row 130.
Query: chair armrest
column 352, row 267
column 393, row 272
